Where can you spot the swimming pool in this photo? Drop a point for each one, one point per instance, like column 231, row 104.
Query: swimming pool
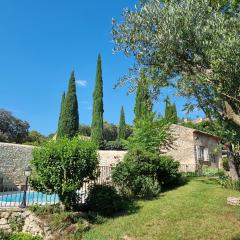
column 15, row 198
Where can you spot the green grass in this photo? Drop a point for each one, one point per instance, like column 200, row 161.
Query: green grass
column 197, row 210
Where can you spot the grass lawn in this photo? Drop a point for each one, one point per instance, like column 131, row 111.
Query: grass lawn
column 197, row 210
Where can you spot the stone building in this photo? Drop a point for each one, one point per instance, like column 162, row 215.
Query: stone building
column 194, row 149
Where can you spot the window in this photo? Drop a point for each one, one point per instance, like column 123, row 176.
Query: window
column 202, row 153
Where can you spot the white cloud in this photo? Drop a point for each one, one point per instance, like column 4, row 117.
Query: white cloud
column 81, row 83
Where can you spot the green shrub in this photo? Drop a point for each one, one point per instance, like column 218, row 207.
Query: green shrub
column 227, row 182
column 24, row 236
column 45, row 210
column 105, row 200
column 4, row 235
column 141, row 173
column 115, row 145
column 225, row 164
column 62, row 166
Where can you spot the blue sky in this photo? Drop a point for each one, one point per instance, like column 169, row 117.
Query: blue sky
column 41, row 42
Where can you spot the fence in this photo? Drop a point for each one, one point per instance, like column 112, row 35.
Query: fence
column 10, row 196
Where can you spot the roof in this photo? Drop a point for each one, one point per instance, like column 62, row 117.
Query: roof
column 207, row 134
column 197, row 131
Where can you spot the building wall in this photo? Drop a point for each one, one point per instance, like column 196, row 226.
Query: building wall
column 14, row 158
column 183, row 146
column 212, row 144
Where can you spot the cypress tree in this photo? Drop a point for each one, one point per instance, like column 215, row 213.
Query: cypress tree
column 70, row 117
column 59, row 131
column 143, row 103
column 171, row 111
column 97, row 114
column 122, row 126
column 174, row 114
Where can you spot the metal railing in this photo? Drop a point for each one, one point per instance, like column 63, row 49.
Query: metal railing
column 10, row 196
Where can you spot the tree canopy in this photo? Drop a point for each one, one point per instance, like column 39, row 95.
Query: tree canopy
column 191, row 44
column 12, row 129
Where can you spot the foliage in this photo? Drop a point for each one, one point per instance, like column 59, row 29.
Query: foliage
column 61, row 116
column 227, row 182
column 35, row 138
column 129, row 131
column 105, row 200
column 171, row 111
column 23, row 236
column 202, row 51
column 97, row 115
column 116, row 145
column 61, row 167
column 122, row 126
column 84, row 130
column 142, row 173
column 110, row 131
column 69, row 118
column 12, row 129
column 225, row 163
column 151, row 133
column 143, row 102
column 45, row 210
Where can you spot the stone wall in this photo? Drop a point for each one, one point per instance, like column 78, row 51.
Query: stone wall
column 14, row 158
column 20, row 220
column 182, row 149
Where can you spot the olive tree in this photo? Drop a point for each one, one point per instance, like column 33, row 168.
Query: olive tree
column 193, row 45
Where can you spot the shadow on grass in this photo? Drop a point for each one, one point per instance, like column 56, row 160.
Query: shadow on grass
column 132, row 207
column 237, row 237
column 209, row 180
column 184, row 180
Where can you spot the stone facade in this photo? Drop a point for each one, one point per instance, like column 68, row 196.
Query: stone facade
column 194, row 149
column 14, row 158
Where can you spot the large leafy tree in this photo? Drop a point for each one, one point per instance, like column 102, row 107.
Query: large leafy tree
column 143, row 103
column 191, row 44
column 12, row 129
column 97, row 115
column 69, row 118
column 122, row 125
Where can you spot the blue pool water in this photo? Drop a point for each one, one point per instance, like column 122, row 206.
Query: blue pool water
column 31, row 197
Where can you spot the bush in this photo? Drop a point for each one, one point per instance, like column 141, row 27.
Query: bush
column 24, row 236
column 115, row 145
column 226, row 164
column 141, row 173
column 62, row 166
column 227, row 182
column 105, row 200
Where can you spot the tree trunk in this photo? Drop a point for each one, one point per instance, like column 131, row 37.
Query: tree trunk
column 234, row 173
column 231, row 115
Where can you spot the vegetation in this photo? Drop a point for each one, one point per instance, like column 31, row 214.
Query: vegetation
column 12, row 129
column 61, row 167
column 69, row 118
column 122, row 126
column 97, row 115
column 202, row 51
column 36, row 138
column 150, row 133
column 225, row 163
column 171, row 111
column 141, row 173
column 118, row 145
column 104, row 200
column 197, row 210
column 143, row 104
column 18, row 236
column 61, row 115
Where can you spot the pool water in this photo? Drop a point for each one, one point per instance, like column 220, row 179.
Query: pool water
column 31, row 197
